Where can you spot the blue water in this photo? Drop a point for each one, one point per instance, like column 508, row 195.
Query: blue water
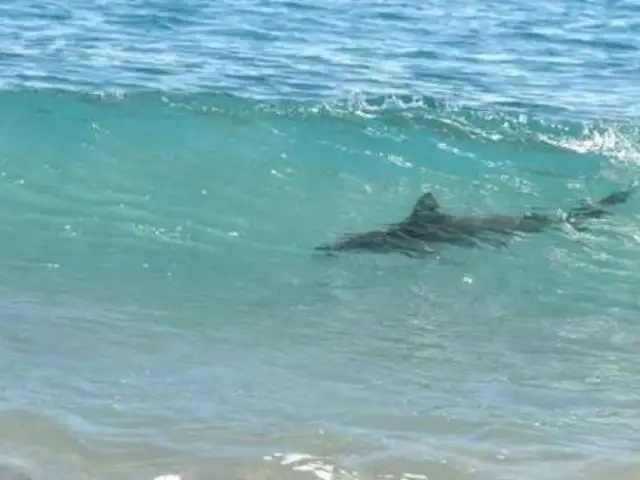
column 167, row 168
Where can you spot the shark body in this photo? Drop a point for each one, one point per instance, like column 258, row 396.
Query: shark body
column 428, row 225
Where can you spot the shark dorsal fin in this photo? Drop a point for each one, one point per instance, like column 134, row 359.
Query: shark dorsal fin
column 427, row 203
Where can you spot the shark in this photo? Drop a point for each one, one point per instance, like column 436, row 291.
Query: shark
column 428, row 225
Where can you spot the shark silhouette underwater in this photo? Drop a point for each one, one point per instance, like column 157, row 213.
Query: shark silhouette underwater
column 428, row 225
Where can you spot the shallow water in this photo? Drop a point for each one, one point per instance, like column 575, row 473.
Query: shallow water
column 167, row 169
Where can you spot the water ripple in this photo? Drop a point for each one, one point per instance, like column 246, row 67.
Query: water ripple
column 581, row 56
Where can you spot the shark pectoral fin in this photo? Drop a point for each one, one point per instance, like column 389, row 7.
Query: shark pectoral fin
column 498, row 242
column 325, row 247
column 325, row 251
column 452, row 262
column 579, row 228
column 418, row 250
column 418, row 253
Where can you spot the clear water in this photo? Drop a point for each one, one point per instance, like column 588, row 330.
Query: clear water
column 166, row 169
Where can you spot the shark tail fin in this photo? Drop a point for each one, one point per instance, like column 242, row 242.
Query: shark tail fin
column 619, row 197
column 598, row 209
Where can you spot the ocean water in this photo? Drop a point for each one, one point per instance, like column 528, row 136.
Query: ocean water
column 167, row 168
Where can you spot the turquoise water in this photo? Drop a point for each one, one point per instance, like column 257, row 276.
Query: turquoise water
column 167, row 168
